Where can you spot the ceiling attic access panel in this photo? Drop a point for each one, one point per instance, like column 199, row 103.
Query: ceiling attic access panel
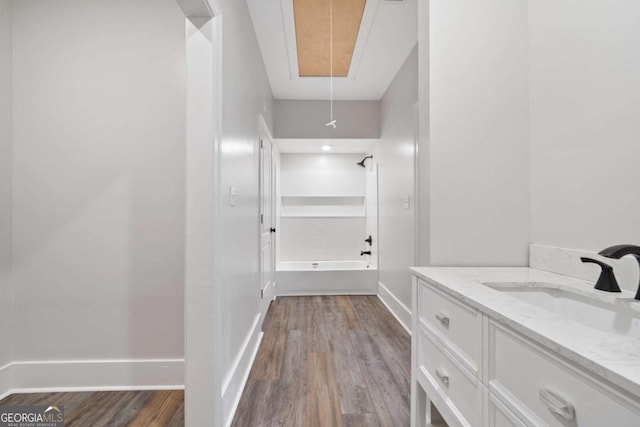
column 313, row 35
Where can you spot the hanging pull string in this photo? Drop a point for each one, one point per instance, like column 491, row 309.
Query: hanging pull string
column 332, row 121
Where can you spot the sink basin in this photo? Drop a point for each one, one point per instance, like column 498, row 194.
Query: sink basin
column 620, row 316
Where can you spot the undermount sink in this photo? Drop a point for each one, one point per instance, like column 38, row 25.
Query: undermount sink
column 620, row 316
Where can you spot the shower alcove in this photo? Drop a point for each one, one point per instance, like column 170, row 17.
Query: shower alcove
column 326, row 207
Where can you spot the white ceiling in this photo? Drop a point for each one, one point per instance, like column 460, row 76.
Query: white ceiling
column 388, row 33
column 339, row 146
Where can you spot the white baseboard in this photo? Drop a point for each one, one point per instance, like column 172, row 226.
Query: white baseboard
column 395, row 306
column 236, row 379
column 93, row 375
column 6, row 380
column 325, row 293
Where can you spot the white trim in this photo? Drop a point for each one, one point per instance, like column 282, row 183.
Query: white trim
column 325, row 293
column 202, row 281
column 91, row 375
column 395, row 306
column 416, row 183
column 288, row 17
column 364, row 36
column 236, row 378
column 423, row 170
column 6, row 380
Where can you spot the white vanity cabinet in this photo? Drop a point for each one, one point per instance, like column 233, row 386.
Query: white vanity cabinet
column 478, row 372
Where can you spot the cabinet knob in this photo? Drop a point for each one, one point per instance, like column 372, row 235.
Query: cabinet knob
column 443, row 318
column 557, row 404
column 443, row 377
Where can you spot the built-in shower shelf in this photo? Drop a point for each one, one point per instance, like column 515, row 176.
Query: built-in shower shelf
column 321, row 182
column 323, row 196
column 332, row 215
column 322, row 206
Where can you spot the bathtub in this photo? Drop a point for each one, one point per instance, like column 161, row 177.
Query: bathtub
column 326, row 278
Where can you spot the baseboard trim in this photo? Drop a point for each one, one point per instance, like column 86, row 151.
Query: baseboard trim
column 324, row 293
column 395, row 306
column 237, row 377
column 6, row 380
column 92, row 375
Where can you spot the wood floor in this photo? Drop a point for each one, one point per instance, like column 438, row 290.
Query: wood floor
column 111, row 408
column 329, row 361
column 324, row 361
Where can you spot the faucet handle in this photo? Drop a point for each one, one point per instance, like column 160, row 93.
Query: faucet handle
column 607, row 281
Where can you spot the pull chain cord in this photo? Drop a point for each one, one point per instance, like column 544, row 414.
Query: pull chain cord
column 332, row 121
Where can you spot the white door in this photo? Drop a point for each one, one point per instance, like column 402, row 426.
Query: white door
column 267, row 228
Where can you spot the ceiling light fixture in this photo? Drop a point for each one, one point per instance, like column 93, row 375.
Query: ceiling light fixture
column 327, row 147
column 332, row 121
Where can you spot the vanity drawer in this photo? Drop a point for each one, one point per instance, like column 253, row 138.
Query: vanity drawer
column 543, row 390
column 501, row 416
column 459, row 325
column 457, row 394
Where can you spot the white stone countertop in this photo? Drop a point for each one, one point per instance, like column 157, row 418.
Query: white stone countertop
column 615, row 358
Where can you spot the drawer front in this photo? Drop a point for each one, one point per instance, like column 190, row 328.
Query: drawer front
column 542, row 390
column 458, row 324
column 459, row 391
column 501, row 416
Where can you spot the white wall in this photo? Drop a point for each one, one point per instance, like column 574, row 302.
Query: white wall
column 395, row 155
column 423, row 178
column 99, row 124
column 585, row 132
column 479, row 148
column 322, row 239
column 246, row 93
column 307, row 119
column 321, row 228
column 6, row 287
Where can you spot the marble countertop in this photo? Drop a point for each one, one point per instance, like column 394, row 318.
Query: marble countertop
column 615, row 358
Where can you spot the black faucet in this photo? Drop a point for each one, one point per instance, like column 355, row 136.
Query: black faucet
column 365, row 253
column 607, row 281
column 617, row 252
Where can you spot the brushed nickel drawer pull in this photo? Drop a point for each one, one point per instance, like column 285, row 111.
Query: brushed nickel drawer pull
column 443, row 377
column 557, row 405
column 444, row 319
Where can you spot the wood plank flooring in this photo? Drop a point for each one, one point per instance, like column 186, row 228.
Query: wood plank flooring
column 335, row 361
column 111, row 408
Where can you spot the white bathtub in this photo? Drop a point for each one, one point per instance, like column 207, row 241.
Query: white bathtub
column 326, row 278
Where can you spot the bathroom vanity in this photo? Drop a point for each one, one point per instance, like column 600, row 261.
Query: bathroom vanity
column 522, row 347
